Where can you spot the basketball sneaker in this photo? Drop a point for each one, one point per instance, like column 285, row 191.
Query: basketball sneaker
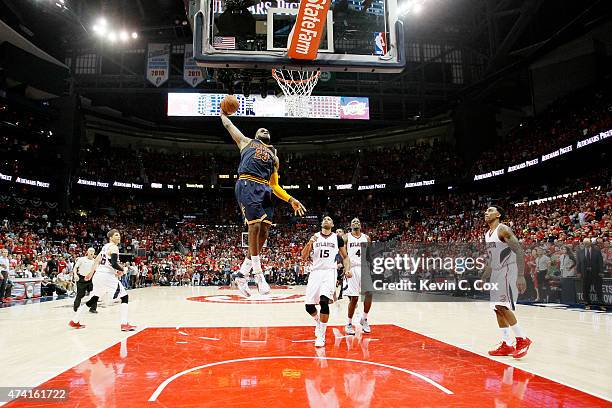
column 76, row 325
column 320, row 341
column 522, row 346
column 349, row 329
column 262, row 285
column 365, row 326
column 127, row 327
column 317, row 328
column 242, row 284
column 503, row 350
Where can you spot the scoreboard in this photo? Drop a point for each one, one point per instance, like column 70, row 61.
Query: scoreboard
column 319, row 107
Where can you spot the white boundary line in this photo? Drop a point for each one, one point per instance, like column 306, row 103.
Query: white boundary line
column 520, row 367
column 163, row 385
column 63, row 370
column 209, row 338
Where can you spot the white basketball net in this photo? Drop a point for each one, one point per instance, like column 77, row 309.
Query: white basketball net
column 297, row 87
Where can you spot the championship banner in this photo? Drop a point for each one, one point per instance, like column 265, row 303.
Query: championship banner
column 158, row 63
column 192, row 74
column 308, row 29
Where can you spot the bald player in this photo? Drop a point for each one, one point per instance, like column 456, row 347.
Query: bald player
column 257, row 182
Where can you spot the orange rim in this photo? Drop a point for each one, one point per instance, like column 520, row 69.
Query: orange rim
column 301, row 81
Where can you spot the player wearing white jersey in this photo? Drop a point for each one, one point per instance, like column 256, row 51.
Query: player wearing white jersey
column 323, row 247
column 105, row 272
column 507, row 267
column 356, row 243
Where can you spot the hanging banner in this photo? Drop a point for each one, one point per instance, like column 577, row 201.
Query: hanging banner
column 192, row 74
column 158, row 63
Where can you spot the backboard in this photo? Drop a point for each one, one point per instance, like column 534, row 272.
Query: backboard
column 358, row 36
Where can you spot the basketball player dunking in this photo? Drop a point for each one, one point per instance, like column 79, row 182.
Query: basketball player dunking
column 356, row 242
column 105, row 272
column 323, row 247
column 257, row 181
column 507, row 264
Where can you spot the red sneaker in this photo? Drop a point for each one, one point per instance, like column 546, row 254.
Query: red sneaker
column 522, row 346
column 127, row 327
column 502, row 350
column 76, row 325
column 7, row 300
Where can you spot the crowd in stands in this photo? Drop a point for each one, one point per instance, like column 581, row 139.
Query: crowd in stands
column 166, row 249
column 28, row 148
column 101, row 162
column 196, row 238
column 570, row 119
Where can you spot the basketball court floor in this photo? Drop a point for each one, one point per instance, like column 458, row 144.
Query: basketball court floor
column 205, row 346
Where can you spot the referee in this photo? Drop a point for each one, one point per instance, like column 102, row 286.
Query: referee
column 81, row 269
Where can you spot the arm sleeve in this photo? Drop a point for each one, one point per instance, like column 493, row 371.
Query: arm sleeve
column 340, row 241
column 277, row 189
column 115, row 262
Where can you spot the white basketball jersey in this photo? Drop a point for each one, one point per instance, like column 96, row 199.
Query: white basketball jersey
column 354, row 248
column 499, row 252
column 105, row 262
column 324, row 252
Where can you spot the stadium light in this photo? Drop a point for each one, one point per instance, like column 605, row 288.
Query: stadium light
column 411, row 7
column 103, row 29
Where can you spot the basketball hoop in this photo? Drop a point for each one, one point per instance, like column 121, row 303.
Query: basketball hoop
column 297, row 87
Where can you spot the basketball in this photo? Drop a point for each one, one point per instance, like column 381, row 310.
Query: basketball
column 229, row 105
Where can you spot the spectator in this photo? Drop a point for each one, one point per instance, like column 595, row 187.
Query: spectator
column 567, row 263
column 5, row 294
column 590, row 268
column 542, row 265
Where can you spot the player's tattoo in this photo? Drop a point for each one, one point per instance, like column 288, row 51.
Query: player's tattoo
column 508, row 236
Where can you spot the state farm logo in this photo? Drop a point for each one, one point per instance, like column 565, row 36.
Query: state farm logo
column 355, row 108
column 237, row 299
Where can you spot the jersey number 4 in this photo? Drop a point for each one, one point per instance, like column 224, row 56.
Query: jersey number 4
column 324, row 253
column 358, row 253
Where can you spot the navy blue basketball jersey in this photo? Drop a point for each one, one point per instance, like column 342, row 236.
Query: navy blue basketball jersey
column 257, row 159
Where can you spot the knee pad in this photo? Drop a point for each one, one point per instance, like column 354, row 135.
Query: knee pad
column 124, row 299
column 311, row 309
column 324, row 304
column 92, row 302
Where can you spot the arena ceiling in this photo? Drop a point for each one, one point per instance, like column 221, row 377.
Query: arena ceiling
column 506, row 35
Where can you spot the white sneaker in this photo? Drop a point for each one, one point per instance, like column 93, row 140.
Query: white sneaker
column 320, row 341
column 365, row 326
column 262, row 285
column 349, row 329
column 317, row 328
column 243, row 287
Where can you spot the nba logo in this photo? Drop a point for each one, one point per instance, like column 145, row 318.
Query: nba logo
column 380, row 43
